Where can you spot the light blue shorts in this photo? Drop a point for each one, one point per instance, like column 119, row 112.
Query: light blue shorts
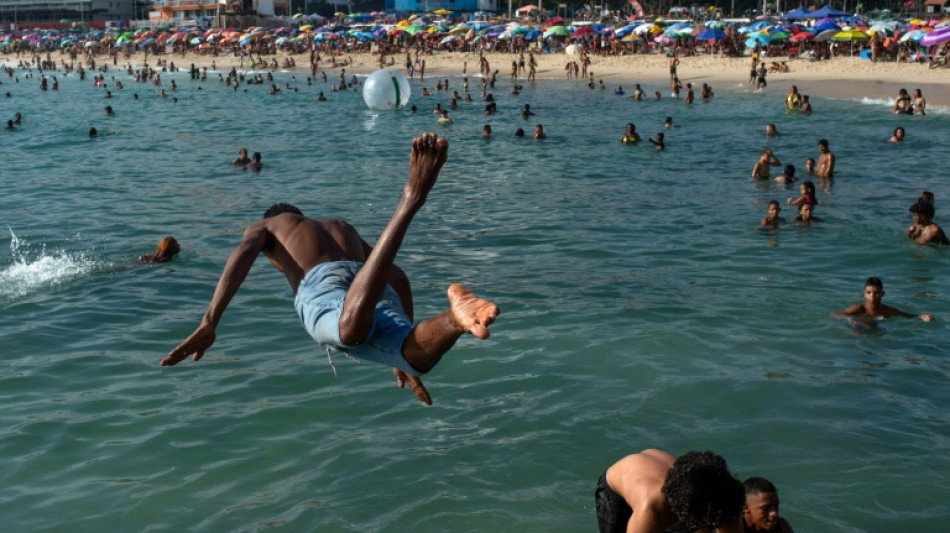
column 319, row 303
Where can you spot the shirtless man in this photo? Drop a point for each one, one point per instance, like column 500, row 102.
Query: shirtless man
column 761, row 508
column 924, row 230
column 872, row 306
column 761, row 169
column 826, row 161
column 351, row 296
column 652, row 491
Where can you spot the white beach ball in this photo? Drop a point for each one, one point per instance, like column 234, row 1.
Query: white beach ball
column 386, row 89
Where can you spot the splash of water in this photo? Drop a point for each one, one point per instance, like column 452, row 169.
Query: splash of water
column 31, row 271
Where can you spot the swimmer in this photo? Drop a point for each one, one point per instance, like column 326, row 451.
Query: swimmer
column 93, row 133
column 668, row 123
column 242, row 158
column 657, row 95
column 444, row 119
column 526, row 112
column 619, row 90
column 919, row 103
column 770, row 130
column 638, row 93
column 788, row 175
column 806, row 105
column 924, row 230
column 17, row 119
column 761, row 169
column 806, row 215
column 413, row 109
column 256, row 164
column 630, row 136
column 167, row 248
column 657, row 141
column 675, row 87
column 810, row 166
column 826, row 161
column 109, row 111
column 807, row 189
column 872, row 306
column 519, row 132
column 653, row 491
column 760, row 513
column 539, row 134
column 352, row 296
column 437, row 110
column 772, row 220
column 321, row 97
column 486, row 132
column 927, row 197
column 793, row 100
column 689, row 94
column 706, row 92
column 898, row 136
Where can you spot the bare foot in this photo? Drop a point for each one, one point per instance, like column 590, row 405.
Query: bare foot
column 471, row 314
column 429, row 153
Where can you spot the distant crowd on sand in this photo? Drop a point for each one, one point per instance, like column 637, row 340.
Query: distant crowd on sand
column 352, row 298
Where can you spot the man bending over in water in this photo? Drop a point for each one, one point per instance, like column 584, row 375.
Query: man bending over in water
column 351, row 296
column 654, row 492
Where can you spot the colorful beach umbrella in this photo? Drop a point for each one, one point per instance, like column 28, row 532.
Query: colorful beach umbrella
column 559, row 31
column 937, row 36
column 849, row 36
column 711, row 34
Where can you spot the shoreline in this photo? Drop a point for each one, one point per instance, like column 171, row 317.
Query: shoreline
column 841, row 77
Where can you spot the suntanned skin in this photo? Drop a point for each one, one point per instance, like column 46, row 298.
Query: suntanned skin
column 761, row 169
column 295, row 244
column 826, row 163
column 773, row 220
column 925, row 231
column 873, row 308
column 639, row 479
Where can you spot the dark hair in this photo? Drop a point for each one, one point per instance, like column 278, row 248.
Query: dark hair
column 927, row 196
column 281, row 208
column 923, row 208
column 257, row 156
column 519, row 133
column 875, row 282
column 774, row 202
column 823, row 142
column 701, row 492
column 758, row 485
column 790, row 170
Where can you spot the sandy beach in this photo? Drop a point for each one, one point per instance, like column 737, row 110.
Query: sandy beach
column 841, row 77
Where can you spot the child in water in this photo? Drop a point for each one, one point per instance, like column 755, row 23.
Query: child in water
column 167, row 248
column 807, row 197
column 772, row 220
column 788, row 175
column 805, row 217
column 873, row 308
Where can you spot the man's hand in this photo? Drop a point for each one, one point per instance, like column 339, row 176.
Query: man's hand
column 196, row 343
column 415, row 384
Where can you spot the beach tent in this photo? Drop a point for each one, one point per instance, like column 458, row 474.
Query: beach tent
column 829, row 12
column 798, row 14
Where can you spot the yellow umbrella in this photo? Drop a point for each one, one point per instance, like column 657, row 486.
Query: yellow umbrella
column 629, row 38
column 442, row 12
column 402, row 23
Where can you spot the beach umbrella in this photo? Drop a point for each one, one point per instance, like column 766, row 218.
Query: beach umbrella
column 850, row 36
column 715, row 24
column 582, row 31
column 196, row 40
column 779, row 36
column 559, row 31
column 938, row 36
column 643, row 29
column 665, row 39
column 532, row 35
column 711, row 34
column 757, row 39
column 826, row 35
column 630, row 38
column 802, row 36
column 625, row 31
column 913, row 35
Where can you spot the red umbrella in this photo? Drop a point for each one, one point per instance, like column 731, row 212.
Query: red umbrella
column 582, row 31
column 554, row 21
column 802, row 36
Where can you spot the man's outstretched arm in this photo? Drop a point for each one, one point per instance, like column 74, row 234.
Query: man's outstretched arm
column 235, row 270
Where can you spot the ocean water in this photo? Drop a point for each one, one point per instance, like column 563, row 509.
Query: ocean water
column 641, row 307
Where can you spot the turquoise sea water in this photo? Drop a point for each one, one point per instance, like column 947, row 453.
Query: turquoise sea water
column 641, row 307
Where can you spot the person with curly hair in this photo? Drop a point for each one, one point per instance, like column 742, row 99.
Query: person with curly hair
column 653, row 491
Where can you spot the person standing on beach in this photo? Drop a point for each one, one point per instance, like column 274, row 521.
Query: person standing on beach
column 653, row 491
column 351, row 296
column 826, row 161
column 674, row 62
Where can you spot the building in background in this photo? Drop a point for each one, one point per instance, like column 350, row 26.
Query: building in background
column 71, row 11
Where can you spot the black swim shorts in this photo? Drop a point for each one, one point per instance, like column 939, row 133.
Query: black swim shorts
column 613, row 513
